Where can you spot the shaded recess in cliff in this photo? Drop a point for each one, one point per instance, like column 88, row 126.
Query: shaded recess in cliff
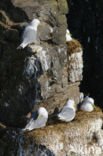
column 85, row 21
column 16, row 14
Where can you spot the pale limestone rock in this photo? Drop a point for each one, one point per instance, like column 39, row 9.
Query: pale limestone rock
column 75, row 68
column 75, row 60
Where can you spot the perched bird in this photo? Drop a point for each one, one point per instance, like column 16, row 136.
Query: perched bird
column 37, row 120
column 68, row 36
column 68, row 111
column 29, row 34
column 87, row 104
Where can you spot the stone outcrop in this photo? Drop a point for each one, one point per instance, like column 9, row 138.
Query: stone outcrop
column 31, row 76
column 83, row 136
column 75, row 61
column 45, row 74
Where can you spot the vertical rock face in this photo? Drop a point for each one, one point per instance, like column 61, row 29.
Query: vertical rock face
column 45, row 74
column 31, row 76
column 75, row 61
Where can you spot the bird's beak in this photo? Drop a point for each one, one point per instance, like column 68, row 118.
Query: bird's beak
column 38, row 116
column 74, row 105
column 94, row 106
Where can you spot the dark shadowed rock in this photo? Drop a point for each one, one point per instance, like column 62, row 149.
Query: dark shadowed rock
column 44, row 74
column 85, row 21
column 30, row 75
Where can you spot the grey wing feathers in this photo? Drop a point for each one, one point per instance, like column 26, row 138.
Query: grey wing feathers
column 29, row 35
column 31, row 120
column 34, row 124
column 29, row 124
column 67, row 114
column 41, row 122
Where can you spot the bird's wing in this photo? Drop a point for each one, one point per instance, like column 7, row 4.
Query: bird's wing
column 34, row 115
column 29, row 35
column 36, row 121
column 40, row 122
column 67, row 114
column 29, row 124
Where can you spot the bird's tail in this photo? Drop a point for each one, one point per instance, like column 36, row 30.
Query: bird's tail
column 24, row 129
column 22, row 46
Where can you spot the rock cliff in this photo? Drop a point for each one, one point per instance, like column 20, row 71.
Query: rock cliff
column 81, row 137
column 43, row 74
column 38, row 72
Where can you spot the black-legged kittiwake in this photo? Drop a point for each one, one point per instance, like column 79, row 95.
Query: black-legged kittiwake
column 68, row 35
column 37, row 120
column 68, row 111
column 87, row 104
column 29, row 34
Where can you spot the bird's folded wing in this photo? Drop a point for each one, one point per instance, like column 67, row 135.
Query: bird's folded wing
column 29, row 124
column 29, row 35
column 67, row 113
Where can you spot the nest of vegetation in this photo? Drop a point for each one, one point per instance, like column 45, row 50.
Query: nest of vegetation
column 73, row 46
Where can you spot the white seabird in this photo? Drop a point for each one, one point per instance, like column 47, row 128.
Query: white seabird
column 87, row 104
column 68, row 35
column 37, row 120
column 29, row 34
column 68, row 111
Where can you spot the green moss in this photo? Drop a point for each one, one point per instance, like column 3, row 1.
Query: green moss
column 53, row 4
column 61, row 20
column 63, row 6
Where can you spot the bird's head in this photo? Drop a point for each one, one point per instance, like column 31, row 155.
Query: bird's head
column 35, row 22
column 71, row 104
column 89, row 99
column 43, row 112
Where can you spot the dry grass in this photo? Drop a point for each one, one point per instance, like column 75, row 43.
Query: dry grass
column 81, row 120
column 73, row 46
